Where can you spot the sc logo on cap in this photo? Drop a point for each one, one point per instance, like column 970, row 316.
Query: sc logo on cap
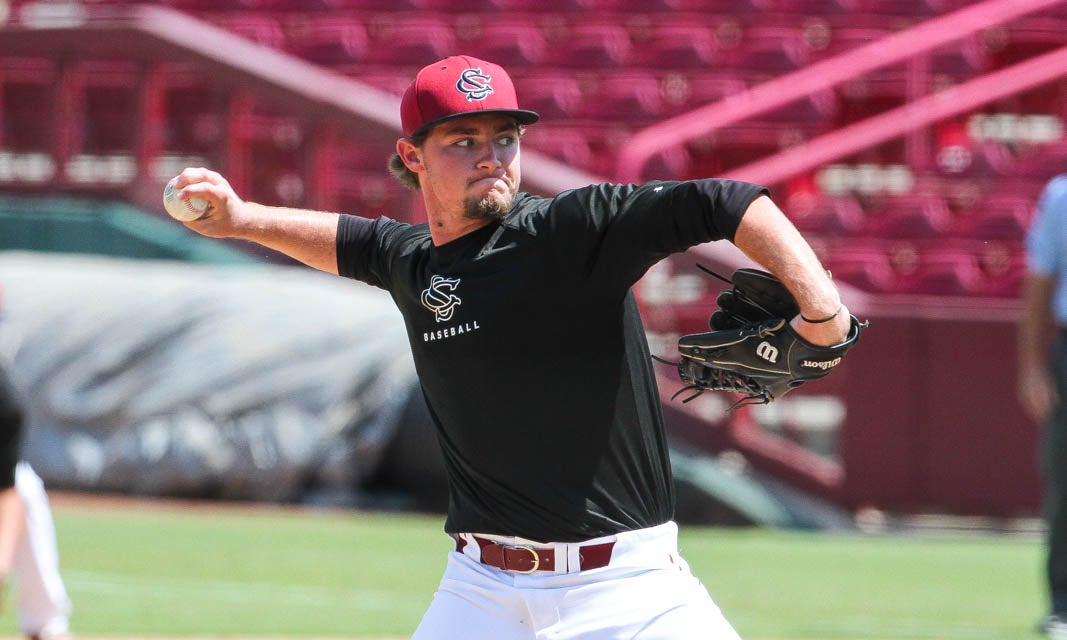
column 474, row 84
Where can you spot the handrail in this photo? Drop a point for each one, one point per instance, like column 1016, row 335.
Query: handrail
column 877, row 129
column 891, row 49
column 918, row 113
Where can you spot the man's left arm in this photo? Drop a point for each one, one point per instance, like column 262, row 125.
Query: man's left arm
column 767, row 236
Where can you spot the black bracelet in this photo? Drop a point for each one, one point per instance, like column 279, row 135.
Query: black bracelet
column 826, row 319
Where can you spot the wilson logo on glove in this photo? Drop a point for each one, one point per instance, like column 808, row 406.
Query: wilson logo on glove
column 768, row 352
column 824, row 365
column 755, row 310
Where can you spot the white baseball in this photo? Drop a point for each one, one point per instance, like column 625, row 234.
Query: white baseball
column 184, row 210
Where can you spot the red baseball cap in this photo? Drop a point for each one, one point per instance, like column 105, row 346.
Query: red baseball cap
column 459, row 86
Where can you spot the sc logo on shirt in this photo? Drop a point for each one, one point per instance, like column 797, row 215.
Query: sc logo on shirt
column 440, row 298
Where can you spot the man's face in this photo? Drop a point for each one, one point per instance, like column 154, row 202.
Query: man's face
column 470, row 165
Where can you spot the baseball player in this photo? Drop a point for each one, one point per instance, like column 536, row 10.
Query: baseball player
column 28, row 551
column 533, row 360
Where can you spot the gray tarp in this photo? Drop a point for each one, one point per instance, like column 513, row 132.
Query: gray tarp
column 182, row 379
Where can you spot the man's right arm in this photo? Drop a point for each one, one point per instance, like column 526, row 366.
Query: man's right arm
column 302, row 234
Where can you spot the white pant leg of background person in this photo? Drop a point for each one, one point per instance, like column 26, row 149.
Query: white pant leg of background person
column 43, row 607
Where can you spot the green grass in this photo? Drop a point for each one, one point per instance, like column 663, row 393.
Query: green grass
column 775, row 584
column 152, row 572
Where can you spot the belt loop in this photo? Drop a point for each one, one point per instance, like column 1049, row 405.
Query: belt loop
column 561, row 558
column 474, row 545
column 466, row 544
column 574, row 558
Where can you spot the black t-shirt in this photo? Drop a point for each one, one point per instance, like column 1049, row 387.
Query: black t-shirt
column 531, row 353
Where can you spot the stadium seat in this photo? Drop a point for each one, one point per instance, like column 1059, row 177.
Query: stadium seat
column 826, row 215
column 913, row 216
column 400, row 38
column 916, row 9
column 591, row 45
column 1047, row 98
column 366, row 5
column 677, row 44
column 820, row 8
column 865, row 266
column 997, row 217
column 962, row 157
column 566, row 144
column 204, row 5
column 329, row 40
column 1025, row 38
column 603, row 138
column 642, row 6
column 683, row 92
column 771, row 50
column 455, row 6
column 626, row 95
column 947, row 271
column 1004, row 266
column 842, row 38
column 961, row 59
column 814, row 112
column 872, row 94
column 512, row 43
column 394, row 80
column 556, row 95
column 541, row 6
column 740, row 144
column 1032, row 164
column 667, row 164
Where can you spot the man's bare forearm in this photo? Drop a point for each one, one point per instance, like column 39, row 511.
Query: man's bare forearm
column 304, row 235
column 767, row 236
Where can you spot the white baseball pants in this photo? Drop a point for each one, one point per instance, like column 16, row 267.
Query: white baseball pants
column 42, row 605
column 646, row 592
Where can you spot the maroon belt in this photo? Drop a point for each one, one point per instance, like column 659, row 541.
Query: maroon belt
column 526, row 559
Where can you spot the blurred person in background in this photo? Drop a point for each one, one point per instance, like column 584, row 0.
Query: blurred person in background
column 29, row 556
column 1043, row 380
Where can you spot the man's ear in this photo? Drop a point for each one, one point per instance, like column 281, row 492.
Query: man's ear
column 409, row 154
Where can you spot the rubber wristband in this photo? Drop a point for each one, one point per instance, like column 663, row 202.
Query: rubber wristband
column 826, row 319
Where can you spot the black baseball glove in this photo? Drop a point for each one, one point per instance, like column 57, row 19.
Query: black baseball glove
column 752, row 349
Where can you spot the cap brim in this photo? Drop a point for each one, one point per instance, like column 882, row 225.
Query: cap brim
column 522, row 116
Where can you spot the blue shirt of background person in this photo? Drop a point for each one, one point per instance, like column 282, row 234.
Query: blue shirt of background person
column 1046, row 243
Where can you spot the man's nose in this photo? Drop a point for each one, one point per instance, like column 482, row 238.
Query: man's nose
column 489, row 155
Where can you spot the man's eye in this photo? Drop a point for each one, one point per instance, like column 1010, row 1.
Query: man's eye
column 507, row 141
column 463, row 142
